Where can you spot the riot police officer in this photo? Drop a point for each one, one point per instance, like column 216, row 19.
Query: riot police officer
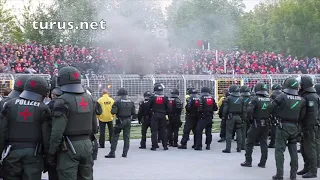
column 74, row 120
column 192, row 106
column 207, row 106
column 174, row 118
column 245, row 94
column 276, row 90
column 309, row 128
column 159, row 104
column 289, row 108
column 223, row 121
column 317, row 87
column 144, row 117
column 259, row 115
column 233, row 112
column 17, row 89
column 25, row 123
column 124, row 109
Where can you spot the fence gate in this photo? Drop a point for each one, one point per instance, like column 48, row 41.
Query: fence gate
column 223, row 84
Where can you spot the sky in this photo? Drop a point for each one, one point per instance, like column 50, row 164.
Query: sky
column 18, row 4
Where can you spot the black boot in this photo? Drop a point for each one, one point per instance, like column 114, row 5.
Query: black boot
column 198, row 148
column 153, row 148
column 246, row 164
column 193, row 146
column 221, row 140
column 124, row 154
column 142, row 147
column 262, row 165
column 309, row 175
column 238, row 149
column 110, row 155
column 157, row 146
column 165, row 148
column 277, row 177
column 175, row 145
column 208, row 147
column 182, row 146
column 302, row 172
column 226, row 151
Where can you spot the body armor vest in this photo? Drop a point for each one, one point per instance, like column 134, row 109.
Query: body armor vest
column 292, row 108
column 159, row 103
column 25, row 120
column 124, row 108
column 81, row 110
column 145, row 107
column 261, row 110
column 312, row 110
column 275, row 94
column 235, row 105
column 192, row 105
column 207, row 104
column 176, row 106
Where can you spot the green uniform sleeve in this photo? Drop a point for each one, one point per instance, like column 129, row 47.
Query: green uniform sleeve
column 114, row 109
column 276, row 103
column 59, row 123
column 225, row 109
column 251, row 106
column 46, row 129
column 3, row 127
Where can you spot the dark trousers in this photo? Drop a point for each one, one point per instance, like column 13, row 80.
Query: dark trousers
column 173, row 129
column 204, row 123
column 191, row 124
column 158, row 123
column 144, row 128
column 223, row 129
column 273, row 135
column 102, row 137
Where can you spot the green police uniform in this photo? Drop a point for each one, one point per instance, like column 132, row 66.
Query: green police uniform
column 289, row 108
column 233, row 112
column 24, row 132
column 276, row 90
column 309, row 128
column 245, row 94
column 317, row 87
column 74, row 120
column 259, row 115
column 124, row 109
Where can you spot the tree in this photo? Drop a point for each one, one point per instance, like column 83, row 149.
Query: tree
column 9, row 30
column 212, row 20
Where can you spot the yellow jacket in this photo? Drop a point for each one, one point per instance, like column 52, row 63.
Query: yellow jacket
column 220, row 101
column 106, row 103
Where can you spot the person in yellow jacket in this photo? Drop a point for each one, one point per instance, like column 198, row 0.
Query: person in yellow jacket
column 106, row 118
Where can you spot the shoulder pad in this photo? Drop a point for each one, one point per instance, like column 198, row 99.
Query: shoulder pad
column 60, row 107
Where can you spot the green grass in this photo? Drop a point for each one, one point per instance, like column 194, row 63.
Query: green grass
column 135, row 132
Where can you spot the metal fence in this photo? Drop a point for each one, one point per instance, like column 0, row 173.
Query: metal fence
column 137, row 85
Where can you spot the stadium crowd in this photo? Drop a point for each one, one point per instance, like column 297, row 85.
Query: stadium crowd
column 37, row 58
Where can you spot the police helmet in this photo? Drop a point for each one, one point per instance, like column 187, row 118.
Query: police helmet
column 147, row 94
column 193, row 91
column 291, row 86
column 261, row 89
column 175, row 91
column 18, row 86
column 234, row 90
column 245, row 90
column 122, row 92
column 189, row 90
column 57, row 91
column 158, row 88
column 276, row 87
column 69, row 80
column 307, row 84
column 36, row 89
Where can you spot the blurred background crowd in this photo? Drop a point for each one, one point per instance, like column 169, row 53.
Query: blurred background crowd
column 47, row 59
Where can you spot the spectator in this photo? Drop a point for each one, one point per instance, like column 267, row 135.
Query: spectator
column 106, row 118
column 6, row 92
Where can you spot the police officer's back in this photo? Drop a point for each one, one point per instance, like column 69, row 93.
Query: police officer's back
column 290, row 109
column 174, row 117
column 24, row 121
column 124, row 109
column 233, row 112
column 245, row 94
column 276, row 90
column 144, row 117
column 317, row 87
column 159, row 104
column 309, row 128
column 191, row 107
column 258, row 113
column 74, row 120
column 206, row 110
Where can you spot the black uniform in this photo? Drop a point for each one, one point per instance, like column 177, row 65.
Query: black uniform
column 207, row 106
column 245, row 94
column 159, row 104
column 192, row 106
column 223, row 121
column 24, row 131
column 259, row 115
column 124, row 109
column 309, row 128
column 144, row 117
column 174, row 118
column 276, row 90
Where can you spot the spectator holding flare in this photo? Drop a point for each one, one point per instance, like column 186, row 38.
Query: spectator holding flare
column 106, row 118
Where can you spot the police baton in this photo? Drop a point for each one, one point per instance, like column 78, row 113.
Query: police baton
column 71, row 146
